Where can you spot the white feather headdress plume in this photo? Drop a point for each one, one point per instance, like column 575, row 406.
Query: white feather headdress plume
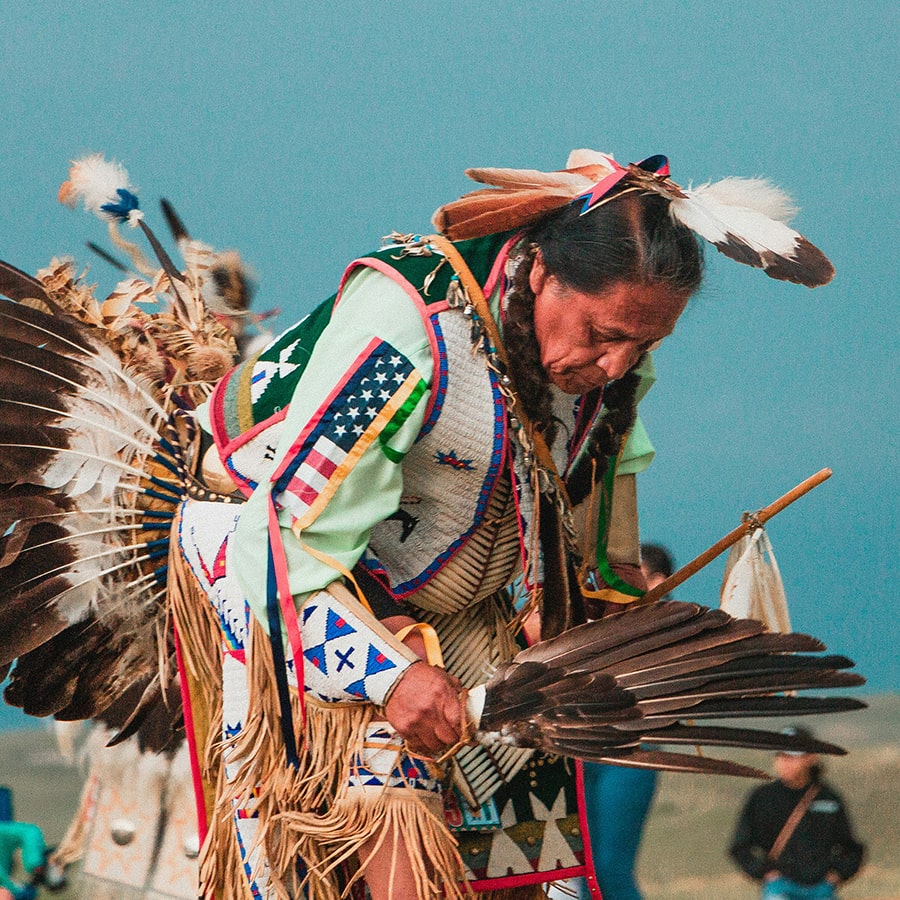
column 746, row 219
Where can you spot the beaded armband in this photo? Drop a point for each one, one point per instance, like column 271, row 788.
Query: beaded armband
column 349, row 656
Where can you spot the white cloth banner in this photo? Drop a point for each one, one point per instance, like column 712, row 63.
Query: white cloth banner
column 752, row 587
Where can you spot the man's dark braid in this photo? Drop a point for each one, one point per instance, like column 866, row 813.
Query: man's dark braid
column 528, row 375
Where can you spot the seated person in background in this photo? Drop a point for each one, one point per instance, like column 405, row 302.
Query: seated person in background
column 793, row 833
column 28, row 841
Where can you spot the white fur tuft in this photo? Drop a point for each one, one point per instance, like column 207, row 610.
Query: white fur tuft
column 94, row 180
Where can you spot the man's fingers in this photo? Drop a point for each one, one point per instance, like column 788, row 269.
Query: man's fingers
column 425, row 709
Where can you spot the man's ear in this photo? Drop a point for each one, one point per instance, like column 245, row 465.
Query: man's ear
column 538, row 275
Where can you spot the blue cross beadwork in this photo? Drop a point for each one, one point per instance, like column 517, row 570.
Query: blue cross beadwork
column 345, row 658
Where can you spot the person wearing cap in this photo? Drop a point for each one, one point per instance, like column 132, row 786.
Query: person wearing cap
column 794, row 834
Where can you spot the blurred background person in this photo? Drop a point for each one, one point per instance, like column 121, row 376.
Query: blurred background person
column 27, row 841
column 794, row 834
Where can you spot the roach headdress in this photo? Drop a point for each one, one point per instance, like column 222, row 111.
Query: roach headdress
column 744, row 218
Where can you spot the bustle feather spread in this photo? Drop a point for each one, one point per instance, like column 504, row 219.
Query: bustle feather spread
column 84, row 525
column 93, row 463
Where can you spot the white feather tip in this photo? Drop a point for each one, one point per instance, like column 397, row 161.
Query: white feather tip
column 757, row 194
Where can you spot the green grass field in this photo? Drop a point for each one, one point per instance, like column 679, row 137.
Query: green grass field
column 683, row 856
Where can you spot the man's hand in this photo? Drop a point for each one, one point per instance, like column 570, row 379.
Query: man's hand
column 425, row 709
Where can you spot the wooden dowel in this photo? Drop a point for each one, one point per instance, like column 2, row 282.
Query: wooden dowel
column 751, row 521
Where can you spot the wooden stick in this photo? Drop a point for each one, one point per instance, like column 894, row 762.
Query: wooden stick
column 750, row 522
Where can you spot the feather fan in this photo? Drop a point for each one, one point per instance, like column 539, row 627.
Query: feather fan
column 96, row 453
column 602, row 690
column 88, row 482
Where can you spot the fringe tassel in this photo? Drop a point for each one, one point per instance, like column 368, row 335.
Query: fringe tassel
column 220, row 863
column 71, row 847
column 322, row 775
column 326, row 843
column 201, row 643
column 307, row 812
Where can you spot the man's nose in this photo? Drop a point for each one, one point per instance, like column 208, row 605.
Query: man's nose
column 616, row 360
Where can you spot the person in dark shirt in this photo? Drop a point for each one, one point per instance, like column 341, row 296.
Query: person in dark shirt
column 808, row 858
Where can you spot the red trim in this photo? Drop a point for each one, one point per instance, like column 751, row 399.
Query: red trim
column 250, row 433
column 286, row 599
column 511, row 881
column 585, row 871
column 590, row 873
column 216, row 417
column 499, row 264
column 196, row 778
column 584, row 429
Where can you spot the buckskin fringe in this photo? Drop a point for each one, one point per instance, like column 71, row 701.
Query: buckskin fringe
column 200, row 641
column 328, row 842
column 265, row 780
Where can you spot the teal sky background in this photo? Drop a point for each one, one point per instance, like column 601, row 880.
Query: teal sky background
column 301, row 133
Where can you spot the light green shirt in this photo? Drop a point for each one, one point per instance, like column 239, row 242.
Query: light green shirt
column 371, row 490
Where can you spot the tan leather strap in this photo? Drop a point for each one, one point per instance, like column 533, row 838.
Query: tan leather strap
column 793, row 820
column 478, row 300
column 433, row 654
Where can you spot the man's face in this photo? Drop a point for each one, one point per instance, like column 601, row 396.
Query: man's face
column 794, row 771
column 587, row 340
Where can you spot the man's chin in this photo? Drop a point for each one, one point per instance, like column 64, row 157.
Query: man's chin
column 571, row 384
